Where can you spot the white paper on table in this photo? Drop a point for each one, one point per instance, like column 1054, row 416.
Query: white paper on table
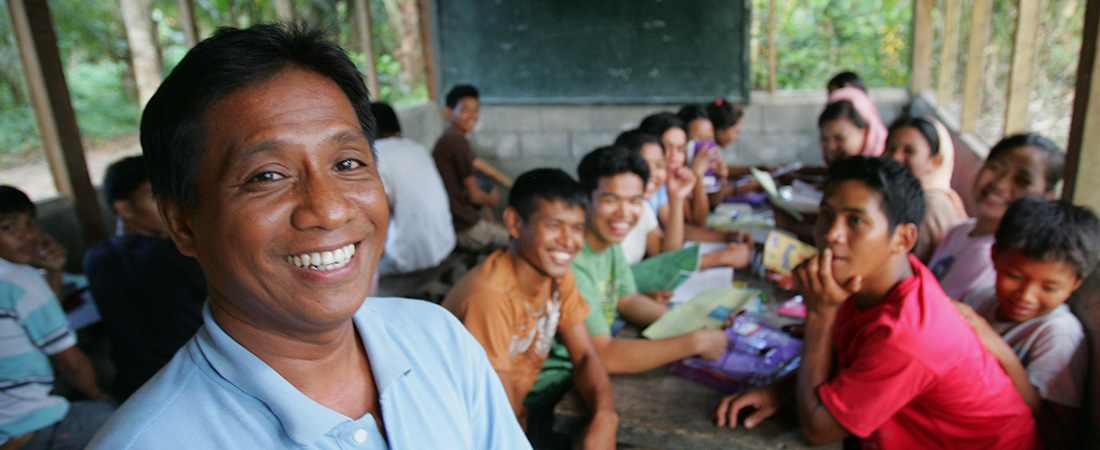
column 700, row 281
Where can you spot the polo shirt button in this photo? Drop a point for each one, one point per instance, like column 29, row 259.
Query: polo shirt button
column 360, row 435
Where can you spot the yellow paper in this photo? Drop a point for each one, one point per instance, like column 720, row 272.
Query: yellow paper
column 783, row 252
column 709, row 309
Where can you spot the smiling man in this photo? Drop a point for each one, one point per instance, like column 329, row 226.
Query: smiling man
column 521, row 297
column 259, row 153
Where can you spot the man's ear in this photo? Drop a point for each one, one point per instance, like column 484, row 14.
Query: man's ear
column 905, row 238
column 178, row 220
column 513, row 222
column 448, row 111
column 123, row 208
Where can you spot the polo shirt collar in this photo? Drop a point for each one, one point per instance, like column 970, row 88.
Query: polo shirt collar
column 304, row 420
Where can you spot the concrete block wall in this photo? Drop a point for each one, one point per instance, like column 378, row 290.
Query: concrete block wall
column 777, row 128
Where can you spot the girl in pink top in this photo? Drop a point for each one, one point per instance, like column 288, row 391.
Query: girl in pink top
column 850, row 125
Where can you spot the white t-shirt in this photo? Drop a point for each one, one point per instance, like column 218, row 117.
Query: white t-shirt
column 421, row 234
column 635, row 242
column 1050, row 346
column 961, row 262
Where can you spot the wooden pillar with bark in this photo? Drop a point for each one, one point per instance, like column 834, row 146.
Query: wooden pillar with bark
column 1083, row 153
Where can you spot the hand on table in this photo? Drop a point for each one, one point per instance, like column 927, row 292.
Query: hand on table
column 763, row 399
column 601, row 431
column 710, row 344
column 736, row 255
column 50, row 255
column 820, row 290
column 680, row 182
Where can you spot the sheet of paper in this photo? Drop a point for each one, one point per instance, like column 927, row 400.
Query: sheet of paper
column 667, row 271
column 701, row 281
column 768, row 183
column 783, row 252
column 708, row 309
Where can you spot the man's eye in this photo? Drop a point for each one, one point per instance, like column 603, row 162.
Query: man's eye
column 349, row 164
column 264, row 177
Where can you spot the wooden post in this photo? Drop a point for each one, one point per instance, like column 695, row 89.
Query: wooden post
column 949, row 54
column 921, row 66
column 1083, row 152
column 1023, row 61
column 366, row 45
column 772, row 66
column 427, row 19
column 972, row 83
column 34, row 32
column 187, row 22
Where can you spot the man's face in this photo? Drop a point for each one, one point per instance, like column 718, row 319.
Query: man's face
column 291, row 215
column 19, row 236
column 1028, row 288
column 551, row 237
column 854, row 226
column 140, row 214
column 465, row 114
column 616, row 205
column 1005, row 178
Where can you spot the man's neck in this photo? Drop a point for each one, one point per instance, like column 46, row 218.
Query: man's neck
column 529, row 279
column 457, row 129
column 877, row 287
column 130, row 229
column 594, row 241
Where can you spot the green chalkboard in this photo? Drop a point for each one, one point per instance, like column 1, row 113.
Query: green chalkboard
column 594, row 51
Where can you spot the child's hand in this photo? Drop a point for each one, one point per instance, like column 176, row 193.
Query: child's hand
column 729, row 319
column 701, row 163
column 989, row 337
column 736, row 255
column 680, row 182
column 820, row 290
column 710, row 344
column 50, row 255
column 763, row 399
column 661, row 297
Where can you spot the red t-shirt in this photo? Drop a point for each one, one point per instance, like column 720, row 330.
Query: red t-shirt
column 913, row 374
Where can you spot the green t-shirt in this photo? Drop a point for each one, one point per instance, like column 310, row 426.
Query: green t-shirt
column 602, row 279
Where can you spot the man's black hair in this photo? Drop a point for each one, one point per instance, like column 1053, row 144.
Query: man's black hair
column 13, row 200
column 636, row 139
column 173, row 135
column 459, row 92
column 842, row 109
column 723, row 114
column 545, row 184
column 608, row 162
column 386, row 118
column 123, row 178
column 1055, row 159
column 900, row 191
column 850, row 78
column 658, row 124
column 689, row 113
column 1051, row 231
column 922, row 125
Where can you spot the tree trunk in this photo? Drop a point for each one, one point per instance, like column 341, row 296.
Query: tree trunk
column 404, row 18
column 285, row 9
column 137, row 15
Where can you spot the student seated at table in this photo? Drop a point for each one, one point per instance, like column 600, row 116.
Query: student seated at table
column 850, row 125
column 845, row 79
column 725, row 118
column 475, row 229
column 36, row 339
column 614, row 179
column 520, row 298
column 1018, row 166
column 149, row 295
column 648, row 238
column 909, row 372
column 1042, row 252
column 672, row 132
column 696, row 123
column 924, row 145
column 420, row 233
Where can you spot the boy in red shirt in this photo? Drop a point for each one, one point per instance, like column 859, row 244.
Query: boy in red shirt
column 909, row 372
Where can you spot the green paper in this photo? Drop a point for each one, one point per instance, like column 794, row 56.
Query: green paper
column 709, row 309
column 768, row 183
column 666, row 271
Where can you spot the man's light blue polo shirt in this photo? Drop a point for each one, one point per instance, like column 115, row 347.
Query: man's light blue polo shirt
column 437, row 390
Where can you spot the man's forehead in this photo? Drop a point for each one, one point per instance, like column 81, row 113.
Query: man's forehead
column 852, row 195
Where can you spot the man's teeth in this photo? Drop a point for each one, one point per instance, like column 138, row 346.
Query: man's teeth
column 620, row 226
column 561, row 256
column 323, row 260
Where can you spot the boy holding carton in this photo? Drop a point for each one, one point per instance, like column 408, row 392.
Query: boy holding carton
column 1043, row 251
column 909, row 373
column 519, row 298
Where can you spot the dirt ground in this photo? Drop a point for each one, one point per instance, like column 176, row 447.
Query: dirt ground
column 32, row 173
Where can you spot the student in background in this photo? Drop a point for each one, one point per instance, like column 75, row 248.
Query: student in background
column 845, row 79
column 521, row 297
column 37, row 338
column 1042, row 253
column 421, row 233
column 149, row 295
column 671, row 130
column 725, row 118
column 458, row 167
column 885, row 357
column 1018, row 166
column 850, row 125
column 699, row 126
column 924, row 145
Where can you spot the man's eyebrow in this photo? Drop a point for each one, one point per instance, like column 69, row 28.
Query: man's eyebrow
column 261, row 147
column 348, row 137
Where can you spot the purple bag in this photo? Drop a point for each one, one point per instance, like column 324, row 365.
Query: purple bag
column 757, row 354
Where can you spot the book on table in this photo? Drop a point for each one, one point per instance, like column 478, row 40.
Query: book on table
column 758, row 354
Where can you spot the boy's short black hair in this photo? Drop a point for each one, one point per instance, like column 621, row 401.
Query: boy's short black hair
column 842, row 109
column 636, row 139
column 123, row 178
column 690, row 113
column 173, row 136
column 850, row 78
column 459, row 92
column 386, row 118
column 723, row 114
column 924, row 126
column 608, row 162
column 12, row 200
column 1051, row 231
column 1055, row 158
column 545, row 184
column 900, row 191
column 658, row 124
